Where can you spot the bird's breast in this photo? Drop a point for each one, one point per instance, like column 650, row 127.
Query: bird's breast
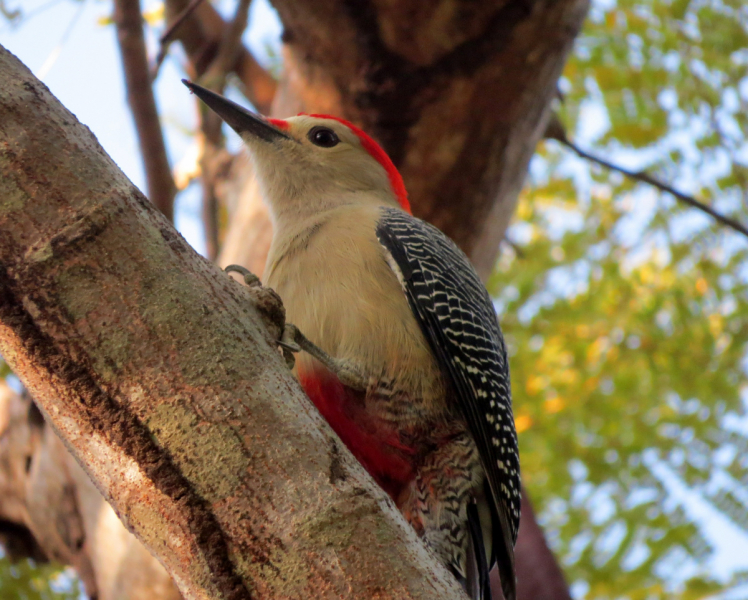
column 339, row 290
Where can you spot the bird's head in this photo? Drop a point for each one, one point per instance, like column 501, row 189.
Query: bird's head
column 310, row 163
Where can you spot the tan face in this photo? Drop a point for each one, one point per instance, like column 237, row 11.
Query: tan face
column 309, row 164
column 320, row 165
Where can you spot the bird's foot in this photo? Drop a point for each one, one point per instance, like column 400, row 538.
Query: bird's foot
column 270, row 306
column 291, row 340
column 348, row 374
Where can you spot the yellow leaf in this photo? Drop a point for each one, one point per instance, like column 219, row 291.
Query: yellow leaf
column 591, row 384
column 567, row 376
column 522, row 423
column 610, row 20
column 597, row 348
column 155, row 14
column 716, row 325
column 535, row 384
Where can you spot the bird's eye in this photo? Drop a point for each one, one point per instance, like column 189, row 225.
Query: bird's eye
column 323, row 136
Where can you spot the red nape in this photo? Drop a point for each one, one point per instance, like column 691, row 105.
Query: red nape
column 377, row 447
column 376, row 151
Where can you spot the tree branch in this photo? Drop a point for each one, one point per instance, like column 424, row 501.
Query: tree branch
column 166, row 37
column 214, row 159
column 161, row 375
column 161, row 188
column 557, row 132
column 201, row 33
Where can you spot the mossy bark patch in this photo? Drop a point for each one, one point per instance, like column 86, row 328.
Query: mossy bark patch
column 209, row 453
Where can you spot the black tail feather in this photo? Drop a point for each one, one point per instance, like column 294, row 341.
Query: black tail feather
column 479, row 551
column 502, row 550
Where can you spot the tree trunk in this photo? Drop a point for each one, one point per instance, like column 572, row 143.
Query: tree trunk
column 162, row 377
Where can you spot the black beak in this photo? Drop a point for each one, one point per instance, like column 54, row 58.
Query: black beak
column 240, row 119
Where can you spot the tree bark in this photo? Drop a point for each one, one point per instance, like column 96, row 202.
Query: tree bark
column 162, row 377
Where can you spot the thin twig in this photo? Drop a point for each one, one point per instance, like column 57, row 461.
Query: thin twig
column 231, row 43
column 210, row 208
column 210, row 125
column 57, row 50
column 166, row 37
column 201, row 36
column 518, row 251
column 556, row 132
column 161, row 188
column 10, row 14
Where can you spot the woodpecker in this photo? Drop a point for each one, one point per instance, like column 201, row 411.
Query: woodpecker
column 404, row 355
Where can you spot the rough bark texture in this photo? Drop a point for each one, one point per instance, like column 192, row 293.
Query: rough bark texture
column 162, row 377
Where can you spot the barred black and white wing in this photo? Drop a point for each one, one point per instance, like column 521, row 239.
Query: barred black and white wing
column 458, row 319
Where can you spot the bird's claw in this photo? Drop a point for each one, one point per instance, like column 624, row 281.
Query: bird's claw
column 289, row 357
column 293, row 340
column 249, row 278
column 287, row 340
column 288, row 345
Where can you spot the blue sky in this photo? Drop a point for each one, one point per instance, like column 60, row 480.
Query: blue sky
column 65, row 44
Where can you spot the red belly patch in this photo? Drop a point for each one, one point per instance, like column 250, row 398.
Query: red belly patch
column 375, row 444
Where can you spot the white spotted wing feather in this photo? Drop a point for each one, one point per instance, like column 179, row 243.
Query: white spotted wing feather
column 458, row 319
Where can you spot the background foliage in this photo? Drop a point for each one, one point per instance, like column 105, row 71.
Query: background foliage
column 626, row 315
column 27, row 580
